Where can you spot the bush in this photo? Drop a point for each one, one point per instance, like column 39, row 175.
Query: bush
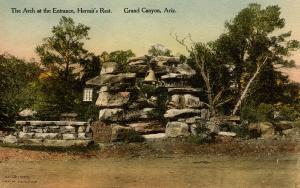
column 262, row 112
column 288, row 112
column 200, row 139
column 248, row 113
column 241, row 130
column 133, row 136
column 202, row 135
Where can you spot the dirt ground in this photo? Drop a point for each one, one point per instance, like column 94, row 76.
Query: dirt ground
column 248, row 163
column 254, row 147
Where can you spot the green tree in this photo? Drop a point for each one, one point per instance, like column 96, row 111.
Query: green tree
column 120, row 56
column 250, row 45
column 17, row 87
column 159, row 50
column 68, row 65
column 65, row 46
column 212, row 72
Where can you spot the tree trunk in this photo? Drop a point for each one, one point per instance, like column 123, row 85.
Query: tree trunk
column 209, row 91
column 246, row 90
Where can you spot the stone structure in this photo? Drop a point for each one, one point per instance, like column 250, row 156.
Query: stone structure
column 54, row 133
column 150, row 95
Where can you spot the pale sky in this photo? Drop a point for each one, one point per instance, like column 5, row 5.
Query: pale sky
column 204, row 19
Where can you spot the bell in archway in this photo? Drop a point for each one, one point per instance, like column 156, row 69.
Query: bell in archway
column 150, row 76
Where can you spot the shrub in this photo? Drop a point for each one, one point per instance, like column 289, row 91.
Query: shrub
column 200, row 139
column 240, row 129
column 248, row 113
column 262, row 112
column 133, row 136
column 202, row 135
column 288, row 112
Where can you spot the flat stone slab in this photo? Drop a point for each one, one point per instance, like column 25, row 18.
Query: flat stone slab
column 154, row 137
column 58, row 123
column 176, row 129
column 106, row 99
column 168, row 59
column 141, row 58
column 108, row 79
column 184, row 90
column 171, row 113
column 231, row 134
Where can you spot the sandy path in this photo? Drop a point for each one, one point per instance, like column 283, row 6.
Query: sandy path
column 187, row 171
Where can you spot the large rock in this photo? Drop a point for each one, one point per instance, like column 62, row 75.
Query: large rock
column 139, row 69
column 283, row 125
column 205, row 114
column 106, row 99
column 120, row 86
column 213, row 126
column 103, row 88
column 142, row 114
column 147, row 113
column 154, row 137
column 175, row 129
column 134, row 59
column 139, row 62
column 46, row 135
column 147, row 127
column 37, row 130
column 267, row 130
column 10, row 139
column 190, row 120
column 101, row 132
column 171, row 113
column 185, row 69
column 119, row 132
column 82, row 136
column 110, row 114
column 70, row 129
column 27, row 112
column 264, row 129
column 143, row 103
column 293, row 134
column 174, row 75
column 175, row 82
column 109, row 67
column 53, row 129
column 230, row 134
column 24, row 135
column 185, row 101
column 67, row 129
column 81, row 129
column 184, row 90
column 108, row 79
column 175, row 60
column 68, row 136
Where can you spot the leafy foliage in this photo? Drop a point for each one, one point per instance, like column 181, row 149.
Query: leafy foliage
column 249, row 39
column 120, row 56
column 202, row 135
column 17, row 87
column 288, row 112
column 260, row 113
column 159, row 50
column 133, row 136
column 68, row 66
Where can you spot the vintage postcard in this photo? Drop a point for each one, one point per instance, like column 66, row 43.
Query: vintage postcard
column 140, row 93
